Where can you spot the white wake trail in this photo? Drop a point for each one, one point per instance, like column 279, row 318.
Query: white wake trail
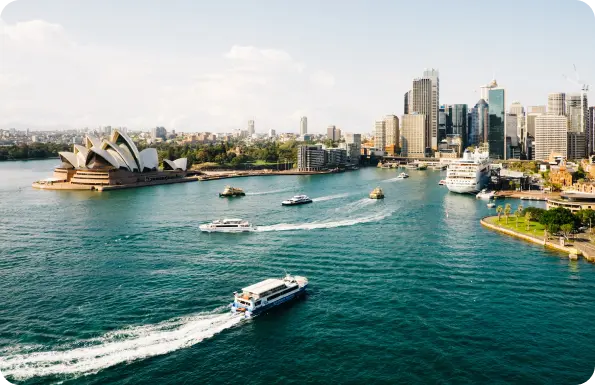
column 325, row 224
column 120, row 346
column 269, row 192
column 330, row 197
column 357, row 205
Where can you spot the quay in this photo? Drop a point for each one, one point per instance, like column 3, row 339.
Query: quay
column 579, row 246
column 527, row 195
column 215, row 175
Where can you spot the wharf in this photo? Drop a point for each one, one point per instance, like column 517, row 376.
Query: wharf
column 580, row 245
column 527, row 195
column 214, row 175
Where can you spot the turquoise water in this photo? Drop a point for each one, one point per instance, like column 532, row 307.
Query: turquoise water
column 121, row 287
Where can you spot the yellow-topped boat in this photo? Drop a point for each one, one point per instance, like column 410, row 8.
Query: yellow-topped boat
column 232, row 192
column 377, row 193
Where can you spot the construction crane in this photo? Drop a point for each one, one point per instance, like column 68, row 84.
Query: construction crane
column 584, row 89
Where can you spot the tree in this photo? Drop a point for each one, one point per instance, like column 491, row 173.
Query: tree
column 507, row 211
column 528, row 217
column 566, row 230
column 559, row 216
column 517, row 214
column 499, row 210
column 536, row 213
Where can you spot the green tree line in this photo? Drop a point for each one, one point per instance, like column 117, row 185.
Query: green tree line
column 32, row 151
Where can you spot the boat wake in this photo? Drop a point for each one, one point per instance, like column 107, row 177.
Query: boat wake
column 391, row 180
column 357, row 205
column 325, row 224
column 269, row 192
column 330, row 197
column 126, row 345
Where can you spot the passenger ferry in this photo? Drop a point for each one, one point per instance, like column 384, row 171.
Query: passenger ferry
column 297, row 200
column 232, row 192
column 485, row 194
column 377, row 193
column 228, row 226
column 403, row 175
column 469, row 174
column 266, row 294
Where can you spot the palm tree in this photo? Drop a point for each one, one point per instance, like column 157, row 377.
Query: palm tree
column 499, row 210
column 518, row 213
column 507, row 210
column 528, row 218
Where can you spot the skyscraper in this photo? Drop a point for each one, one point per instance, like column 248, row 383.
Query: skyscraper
column 497, row 123
column 478, row 131
column 441, row 123
column 331, row 132
column 303, row 126
column 422, row 104
column 413, row 134
column 380, row 134
column 456, row 118
column 391, row 125
column 556, row 103
column 407, row 102
column 517, row 109
column 536, row 110
column 250, row 127
column 550, row 136
column 591, row 131
column 485, row 90
column 433, row 75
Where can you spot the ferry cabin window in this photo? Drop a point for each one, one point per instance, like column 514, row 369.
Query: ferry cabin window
column 257, row 303
column 281, row 293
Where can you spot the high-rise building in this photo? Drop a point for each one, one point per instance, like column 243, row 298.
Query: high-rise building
column 331, row 133
column 530, row 123
column 413, row 132
column 353, row 145
column 391, row 125
column 577, row 145
column 250, row 127
column 422, row 105
column 380, row 134
column 497, row 123
column 536, row 110
column 456, row 122
column 408, row 101
column 485, row 90
column 591, row 131
column 158, row 133
column 303, row 126
column 511, row 128
column 478, row 130
column 556, row 103
column 442, row 120
column 433, row 75
column 311, row 158
column 337, row 134
column 272, row 133
column 550, row 136
column 517, row 109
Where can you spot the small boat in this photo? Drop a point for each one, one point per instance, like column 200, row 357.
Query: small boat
column 491, row 205
column 442, row 182
column 403, row 175
column 412, row 166
column 266, row 294
column 228, row 226
column 297, row 200
column 232, row 192
column 377, row 193
column 485, row 194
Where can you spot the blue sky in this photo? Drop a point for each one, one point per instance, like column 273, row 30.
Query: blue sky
column 198, row 65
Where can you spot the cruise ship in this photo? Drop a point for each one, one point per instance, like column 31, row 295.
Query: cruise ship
column 469, row 174
column 266, row 294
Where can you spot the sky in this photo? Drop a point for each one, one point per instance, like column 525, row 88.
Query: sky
column 194, row 65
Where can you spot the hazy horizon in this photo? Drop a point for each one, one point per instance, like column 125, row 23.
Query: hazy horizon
column 201, row 66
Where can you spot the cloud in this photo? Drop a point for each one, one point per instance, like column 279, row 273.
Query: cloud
column 50, row 79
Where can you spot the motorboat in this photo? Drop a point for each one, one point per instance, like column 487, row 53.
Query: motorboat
column 491, row 205
column 377, row 193
column 297, row 200
column 228, row 226
column 403, row 175
column 442, row 182
column 266, row 294
column 232, row 192
column 485, row 194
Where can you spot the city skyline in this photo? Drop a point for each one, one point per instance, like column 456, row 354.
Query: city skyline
column 109, row 76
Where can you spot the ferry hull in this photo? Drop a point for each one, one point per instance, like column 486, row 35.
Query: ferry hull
column 295, row 203
column 206, row 229
column 261, row 309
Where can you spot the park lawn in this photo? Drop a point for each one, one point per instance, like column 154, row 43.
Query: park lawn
column 536, row 229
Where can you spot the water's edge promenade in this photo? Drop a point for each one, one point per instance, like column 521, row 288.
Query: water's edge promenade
column 579, row 247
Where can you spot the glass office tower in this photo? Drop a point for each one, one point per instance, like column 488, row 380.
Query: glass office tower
column 497, row 123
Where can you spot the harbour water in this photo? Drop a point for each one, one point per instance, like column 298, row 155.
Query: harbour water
column 121, row 288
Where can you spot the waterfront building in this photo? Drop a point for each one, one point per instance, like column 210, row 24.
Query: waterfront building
column 251, row 128
column 331, row 132
column 433, row 75
column 336, row 157
column 556, row 103
column 408, row 102
column 478, row 129
column 303, row 126
column 391, row 129
column 380, row 134
column 551, row 135
column 497, row 123
column 536, row 110
column 485, row 90
column 311, row 158
column 426, row 95
column 413, row 135
column 353, row 144
column 573, row 201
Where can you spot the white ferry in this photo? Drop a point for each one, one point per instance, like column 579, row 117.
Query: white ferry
column 264, row 295
column 228, row 226
column 297, row 200
column 403, row 175
column 485, row 194
column 469, row 174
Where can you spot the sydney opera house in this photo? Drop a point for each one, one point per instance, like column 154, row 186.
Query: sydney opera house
column 112, row 163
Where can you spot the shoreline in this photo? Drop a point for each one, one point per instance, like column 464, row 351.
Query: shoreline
column 572, row 250
column 216, row 175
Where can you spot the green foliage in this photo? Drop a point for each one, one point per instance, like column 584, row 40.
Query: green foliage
column 566, row 229
column 535, row 212
column 559, row 216
column 33, row 151
column 585, row 215
column 579, row 174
